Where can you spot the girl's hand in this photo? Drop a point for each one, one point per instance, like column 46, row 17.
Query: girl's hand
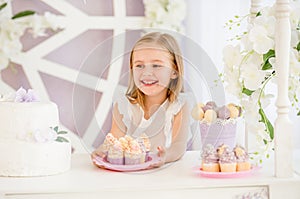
column 97, row 153
column 162, row 155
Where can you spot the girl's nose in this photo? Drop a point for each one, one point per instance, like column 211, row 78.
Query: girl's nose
column 148, row 70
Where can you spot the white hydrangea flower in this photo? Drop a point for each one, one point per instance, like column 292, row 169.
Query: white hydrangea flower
column 252, row 76
column 12, row 29
column 262, row 43
column 232, row 79
column 268, row 23
column 232, row 56
column 294, row 62
column 165, row 14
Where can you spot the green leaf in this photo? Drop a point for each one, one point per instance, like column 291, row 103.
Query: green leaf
column 298, row 114
column 247, row 91
column 61, row 139
column 265, row 141
column 268, row 55
column 258, row 14
column 62, row 132
column 55, row 129
column 23, row 14
column 298, row 47
column 268, row 125
column 266, row 64
column 3, row 6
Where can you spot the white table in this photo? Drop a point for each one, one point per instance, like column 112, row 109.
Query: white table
column 176, row 180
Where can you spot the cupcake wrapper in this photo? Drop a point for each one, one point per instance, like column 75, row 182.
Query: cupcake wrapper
column 118, row 161
column 211, row 167
column 243, row 166
column 131, row 161
column 147, row 156
column 228, row 167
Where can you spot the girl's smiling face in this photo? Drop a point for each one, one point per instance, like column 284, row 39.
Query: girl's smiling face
column 152, row 70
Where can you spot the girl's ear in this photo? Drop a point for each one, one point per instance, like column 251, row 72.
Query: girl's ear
column 174, row 75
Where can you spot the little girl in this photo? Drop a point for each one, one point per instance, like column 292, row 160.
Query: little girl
column 154, row 103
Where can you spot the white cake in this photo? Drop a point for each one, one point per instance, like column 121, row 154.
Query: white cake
column 29, row 142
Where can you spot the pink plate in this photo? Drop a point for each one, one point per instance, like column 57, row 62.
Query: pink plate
column 102, row 162
column 238, row 174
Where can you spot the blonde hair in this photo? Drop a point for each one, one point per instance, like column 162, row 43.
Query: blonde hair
column 167, row 42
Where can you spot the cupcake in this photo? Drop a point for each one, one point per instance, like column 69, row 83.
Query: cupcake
column 227, row 160
column 242, row 159
column 210, row 159
column 108, row 142
column 115, row 153
column 133, row 155
column 124, row 143
column 222, row 148
column 146, row 142
column 143, row 151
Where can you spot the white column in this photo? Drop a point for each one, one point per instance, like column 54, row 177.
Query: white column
column 283, row 125
column 255, row 7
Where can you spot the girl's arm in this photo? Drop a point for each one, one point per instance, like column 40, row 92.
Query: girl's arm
column 179, row 136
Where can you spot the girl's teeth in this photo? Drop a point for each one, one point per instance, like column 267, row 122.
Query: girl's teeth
column 148, row 82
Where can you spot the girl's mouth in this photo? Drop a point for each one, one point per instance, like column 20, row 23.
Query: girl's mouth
column 149, row 82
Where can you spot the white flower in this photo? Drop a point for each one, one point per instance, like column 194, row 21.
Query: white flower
column 233, row 85
column 12, row 29
column 232, row 56
column 268, row 23
column 165, row 14
column 262, row 43
column 257, row 71
column 252, row 76
column 294, row 63
column 48, row 135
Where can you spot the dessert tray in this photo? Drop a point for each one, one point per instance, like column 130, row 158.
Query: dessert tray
column 103, row 163
column 237, row 174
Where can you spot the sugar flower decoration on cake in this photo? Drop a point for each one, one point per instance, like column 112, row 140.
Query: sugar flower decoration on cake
column 165, row 14
column 250, row 69
column 21, row 96
column 26, row 96
column 43, row 135
column 12, row 27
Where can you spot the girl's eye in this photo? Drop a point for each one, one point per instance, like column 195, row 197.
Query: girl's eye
column 139, row 66
column 157, row 66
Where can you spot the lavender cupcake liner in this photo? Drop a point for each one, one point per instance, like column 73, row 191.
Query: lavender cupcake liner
column 132, row 161
column 118, row 161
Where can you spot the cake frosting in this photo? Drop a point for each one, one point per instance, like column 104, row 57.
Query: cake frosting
column 126, row 150
column 30, row 141
column 210, row 159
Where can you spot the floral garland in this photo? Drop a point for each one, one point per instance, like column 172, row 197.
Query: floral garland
column 13, row 27
column 165, row 14
column 250, row 70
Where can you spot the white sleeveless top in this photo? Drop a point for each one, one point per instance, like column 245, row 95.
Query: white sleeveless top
column 158, row 127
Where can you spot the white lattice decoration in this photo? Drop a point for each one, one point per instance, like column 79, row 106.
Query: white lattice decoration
column 76, row 22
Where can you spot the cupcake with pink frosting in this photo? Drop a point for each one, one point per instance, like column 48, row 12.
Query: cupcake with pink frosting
column 134, row 155
column 146, row 142
column 108, row 142
column 227, row 159
column 115, row 153
column 210, row 159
